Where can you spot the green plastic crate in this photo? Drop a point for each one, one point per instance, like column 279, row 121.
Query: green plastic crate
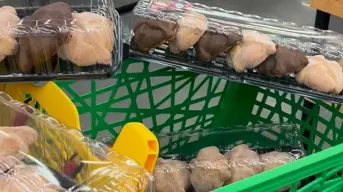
column 168, row 99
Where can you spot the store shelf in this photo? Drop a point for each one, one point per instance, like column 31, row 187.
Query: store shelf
column 333, row 7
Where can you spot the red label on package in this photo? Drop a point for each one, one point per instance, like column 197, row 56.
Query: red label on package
column 167, row 5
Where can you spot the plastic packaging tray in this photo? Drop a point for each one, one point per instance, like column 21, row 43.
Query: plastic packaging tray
column 48, row 45
column 43, row 155
column 309, row 40
column 186, row 163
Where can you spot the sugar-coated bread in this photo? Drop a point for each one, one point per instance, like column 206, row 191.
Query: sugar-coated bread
column 91, row 41
column 243, row 163
column 15, row 142
column 322, row 75
column 209, row 170
column 10, row 145
column 8, row 23
column 191, row 27
column 275, row 159
column 171, row 176
column 26, row 133
column 251, row 51
column 13, row 150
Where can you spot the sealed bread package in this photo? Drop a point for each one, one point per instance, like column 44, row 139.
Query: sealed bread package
column 240, row 47
column 40, row 154
column 205, row 160
column 192, row 20
column 44, row 40
column 188, row 28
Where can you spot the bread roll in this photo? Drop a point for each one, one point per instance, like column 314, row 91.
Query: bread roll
column 209, row 170
column 211, row 45
column 284, row 62
column 191, row 27
column 171, row 176
column 8, row 23
column 37, row 50
column 252, row 51
column 244, row 163
column 91, row 40
column 322, row 75
column 150, row 33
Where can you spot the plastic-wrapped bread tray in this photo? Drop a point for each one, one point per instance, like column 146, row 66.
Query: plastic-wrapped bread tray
column 82, row 40
column 43, row 155
column 205, row 160
column 307, row 40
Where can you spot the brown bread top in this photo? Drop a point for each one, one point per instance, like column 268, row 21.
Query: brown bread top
column 212, row 45
column 151, row 33
column 284, row 62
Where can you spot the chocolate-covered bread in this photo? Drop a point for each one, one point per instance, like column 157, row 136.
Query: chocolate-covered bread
column 151, row 33
column 37, row 50
column 210, row 45
column 284, row 62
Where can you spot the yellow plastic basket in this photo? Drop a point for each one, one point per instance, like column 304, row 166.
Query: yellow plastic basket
column 50, row 97
column 57, row 142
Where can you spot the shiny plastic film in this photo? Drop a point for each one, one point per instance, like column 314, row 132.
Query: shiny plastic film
column 44, row 40
column 229, row 155
column 240, row 47
column 40, row 154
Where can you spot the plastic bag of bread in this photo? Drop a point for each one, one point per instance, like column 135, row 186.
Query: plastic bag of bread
column 43, row 155
column 26, row 178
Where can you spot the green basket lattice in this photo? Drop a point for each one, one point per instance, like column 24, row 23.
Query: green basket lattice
column 141, row 92
column 167, row 99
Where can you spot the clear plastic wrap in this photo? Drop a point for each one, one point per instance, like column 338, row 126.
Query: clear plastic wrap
column 239, row 47
column 40, row 154
column 44, row 40
column 205, row 160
